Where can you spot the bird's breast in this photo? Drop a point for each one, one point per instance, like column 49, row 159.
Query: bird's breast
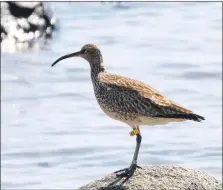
column 114, row 105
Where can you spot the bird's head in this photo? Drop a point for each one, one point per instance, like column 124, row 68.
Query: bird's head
column 89, row 52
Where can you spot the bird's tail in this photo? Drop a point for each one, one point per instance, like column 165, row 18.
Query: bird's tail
column 195, row 117
column 189, row 116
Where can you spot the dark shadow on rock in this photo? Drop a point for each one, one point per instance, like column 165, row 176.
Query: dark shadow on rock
column 115, row 186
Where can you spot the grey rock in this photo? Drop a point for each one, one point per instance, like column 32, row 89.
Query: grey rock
column 165, row 177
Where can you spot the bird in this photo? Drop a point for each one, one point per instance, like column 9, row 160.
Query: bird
column 130, row 101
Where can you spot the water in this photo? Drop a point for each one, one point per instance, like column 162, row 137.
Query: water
column 54, row 135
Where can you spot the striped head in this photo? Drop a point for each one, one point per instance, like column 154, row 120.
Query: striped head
column 89, row 52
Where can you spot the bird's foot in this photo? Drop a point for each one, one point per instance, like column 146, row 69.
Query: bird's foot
column 127, row 172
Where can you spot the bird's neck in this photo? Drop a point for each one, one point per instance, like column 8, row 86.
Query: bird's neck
column 96, row 68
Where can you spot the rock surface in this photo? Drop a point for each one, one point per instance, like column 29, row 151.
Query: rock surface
column 164, row 177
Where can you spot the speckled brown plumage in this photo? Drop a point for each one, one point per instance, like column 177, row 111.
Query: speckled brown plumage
column 130, row 101
column 135, row 100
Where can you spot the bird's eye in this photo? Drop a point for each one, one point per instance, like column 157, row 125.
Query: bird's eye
column 84, row 50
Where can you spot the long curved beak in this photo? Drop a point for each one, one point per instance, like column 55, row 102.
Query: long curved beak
column 66, row 56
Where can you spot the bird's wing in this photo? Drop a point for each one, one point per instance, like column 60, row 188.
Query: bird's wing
column 143, row 89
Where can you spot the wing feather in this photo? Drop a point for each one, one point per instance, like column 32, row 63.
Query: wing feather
column 144, row 90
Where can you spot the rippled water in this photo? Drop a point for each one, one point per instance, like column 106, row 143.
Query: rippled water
column 54, row 134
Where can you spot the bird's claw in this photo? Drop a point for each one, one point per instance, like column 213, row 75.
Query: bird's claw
column 138, row 167
column 127, row 172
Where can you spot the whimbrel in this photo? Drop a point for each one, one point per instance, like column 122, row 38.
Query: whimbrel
column 130, row 101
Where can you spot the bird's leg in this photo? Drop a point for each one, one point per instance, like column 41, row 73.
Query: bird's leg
column 128, row 172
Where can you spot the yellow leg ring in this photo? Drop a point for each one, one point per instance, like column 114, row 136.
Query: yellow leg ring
column 135, row 131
